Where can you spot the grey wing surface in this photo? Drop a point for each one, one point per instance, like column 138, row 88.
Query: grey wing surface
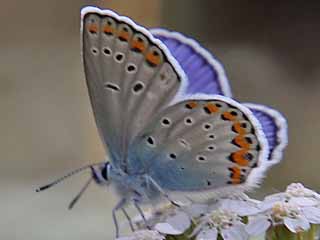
column 130, row 77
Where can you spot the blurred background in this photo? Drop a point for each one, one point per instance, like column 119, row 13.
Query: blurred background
column 270, row 50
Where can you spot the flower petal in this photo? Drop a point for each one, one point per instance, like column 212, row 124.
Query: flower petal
column 268, row 204
column 258, row 226
column 297, row 224
column 304, row 201
column 174, row 225
column 312, row 214
column 197, row 209
column 240, row 207
column 236, row 232
column 166, row 228
column 210, row 234
column 275, row 197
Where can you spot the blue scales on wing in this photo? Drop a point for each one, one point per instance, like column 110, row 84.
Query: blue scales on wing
column 130, row 77
column 204, row 72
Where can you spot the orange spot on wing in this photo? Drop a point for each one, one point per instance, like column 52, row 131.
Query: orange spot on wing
column 153, row 59
column 228, row 116
column 108, row 29
column 237, row 127
column 242, row 142
column 93, row 28
column 138, row 45
column 124, row 35
column 235, row 175
column 236, row 171
column 239, row 157
column 192, row 105
column 236, row 180
column 211, row 107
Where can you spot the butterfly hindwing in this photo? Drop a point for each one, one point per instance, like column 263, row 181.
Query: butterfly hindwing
column 200, row 145
column 130, row 76
column 204, row 72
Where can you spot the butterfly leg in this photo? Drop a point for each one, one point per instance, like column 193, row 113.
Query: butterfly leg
column 159, row 188
column 128, row 218
column 141, row 213
column 119, row 205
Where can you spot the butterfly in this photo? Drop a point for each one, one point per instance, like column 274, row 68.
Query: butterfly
column 165, row 113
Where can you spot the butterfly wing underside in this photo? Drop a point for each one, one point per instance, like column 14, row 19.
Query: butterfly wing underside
column 203, row 145
column 130, row 77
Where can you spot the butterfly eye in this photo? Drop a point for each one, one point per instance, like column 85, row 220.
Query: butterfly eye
column 104, row 173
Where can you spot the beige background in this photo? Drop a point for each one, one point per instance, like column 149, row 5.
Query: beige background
column 271, row 54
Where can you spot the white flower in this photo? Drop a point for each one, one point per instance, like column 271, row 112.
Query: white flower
column 196, row 210
column 174, row 225
column 154, row 216
column 221, row 222
column 296, row 218
column 143, row 235
column 243, row 207
column 295, row 193
column 296, row 208
column 167, row 219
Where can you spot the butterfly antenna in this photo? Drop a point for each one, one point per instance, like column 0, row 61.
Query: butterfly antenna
column 65, row 177
column 77, row 197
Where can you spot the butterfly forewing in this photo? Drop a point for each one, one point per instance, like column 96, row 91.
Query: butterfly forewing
column 198, row 145
column 130, row 77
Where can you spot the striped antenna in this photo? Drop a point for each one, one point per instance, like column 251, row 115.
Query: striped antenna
column 65, row 177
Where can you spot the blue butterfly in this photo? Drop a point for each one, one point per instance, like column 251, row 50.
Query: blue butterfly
column 164, row 110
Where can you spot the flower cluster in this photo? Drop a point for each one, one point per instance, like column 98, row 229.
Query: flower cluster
column 279, row 216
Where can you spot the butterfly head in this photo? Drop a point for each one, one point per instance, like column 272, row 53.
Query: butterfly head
column 101, row 173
